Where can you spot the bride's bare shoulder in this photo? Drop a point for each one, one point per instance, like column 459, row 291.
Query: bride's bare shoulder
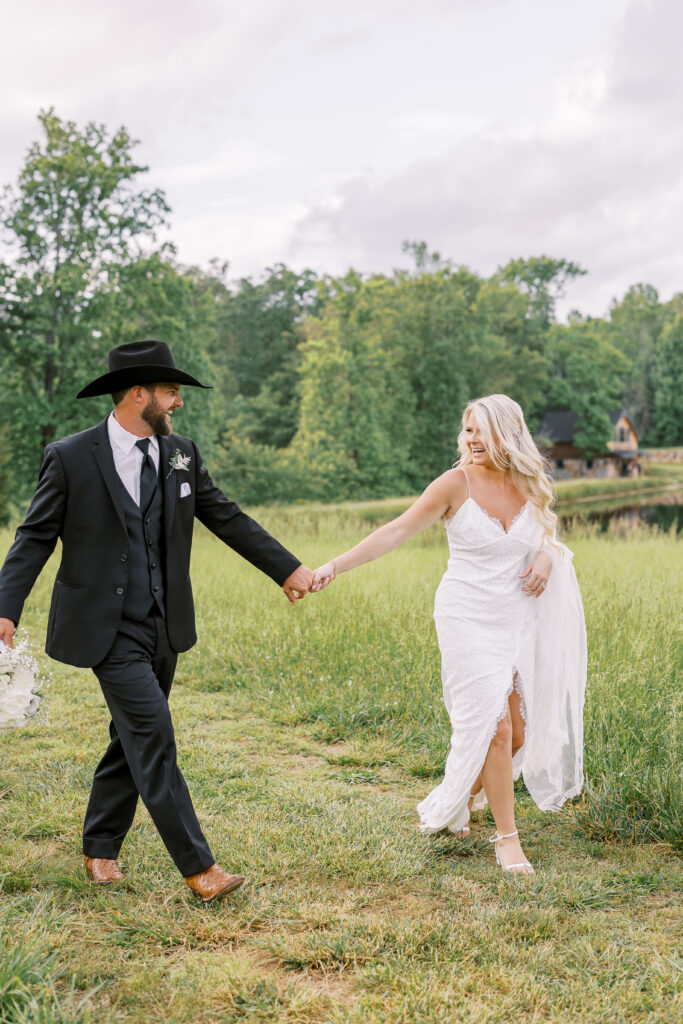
column 455, row 487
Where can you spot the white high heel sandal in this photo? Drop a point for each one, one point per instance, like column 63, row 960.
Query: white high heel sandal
column 461, row 832
column 510, row 868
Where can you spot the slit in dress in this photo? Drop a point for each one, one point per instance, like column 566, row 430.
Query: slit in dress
column 518, row 687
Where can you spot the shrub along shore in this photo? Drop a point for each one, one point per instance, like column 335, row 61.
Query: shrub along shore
column 307, row 736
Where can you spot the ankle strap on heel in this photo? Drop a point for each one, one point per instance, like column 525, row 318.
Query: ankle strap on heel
column 495, row 837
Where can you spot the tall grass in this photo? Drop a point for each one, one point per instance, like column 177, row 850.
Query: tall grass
column 307, row 736
column 633, row 594
column 359, row 663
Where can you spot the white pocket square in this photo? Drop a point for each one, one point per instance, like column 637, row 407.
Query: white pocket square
column 185, row 489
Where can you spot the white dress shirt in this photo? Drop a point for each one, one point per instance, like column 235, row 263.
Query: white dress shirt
column 128, row 457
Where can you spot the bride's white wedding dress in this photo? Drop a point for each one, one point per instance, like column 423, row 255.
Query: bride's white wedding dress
column 494, row 637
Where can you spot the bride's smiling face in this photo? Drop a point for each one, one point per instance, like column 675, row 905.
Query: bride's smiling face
column 478, row 451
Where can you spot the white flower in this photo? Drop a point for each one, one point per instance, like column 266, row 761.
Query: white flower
column 18, row 683
column 179, row 461
column 23, row 679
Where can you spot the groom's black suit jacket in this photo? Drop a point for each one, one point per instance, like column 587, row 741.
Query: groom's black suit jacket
column 78, row 499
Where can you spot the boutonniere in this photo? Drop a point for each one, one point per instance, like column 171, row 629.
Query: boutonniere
column 178, row 461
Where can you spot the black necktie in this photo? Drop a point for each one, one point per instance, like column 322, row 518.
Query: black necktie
column 148, row 474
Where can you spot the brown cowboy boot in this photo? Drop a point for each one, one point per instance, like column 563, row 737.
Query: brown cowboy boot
column 102, row 871
column 213, row 882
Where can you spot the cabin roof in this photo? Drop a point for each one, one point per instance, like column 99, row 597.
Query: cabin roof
column 560, row 426
column 616, row 414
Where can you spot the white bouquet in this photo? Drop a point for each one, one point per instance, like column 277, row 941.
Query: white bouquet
column 18, row 685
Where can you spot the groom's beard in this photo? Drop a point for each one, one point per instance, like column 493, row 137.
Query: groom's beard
column 155, row 416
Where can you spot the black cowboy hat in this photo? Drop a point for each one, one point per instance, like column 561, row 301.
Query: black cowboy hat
column 140, row 362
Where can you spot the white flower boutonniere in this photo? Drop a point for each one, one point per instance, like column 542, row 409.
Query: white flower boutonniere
column 179, row 461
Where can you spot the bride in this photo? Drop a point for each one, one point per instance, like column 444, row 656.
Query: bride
column 510, row 626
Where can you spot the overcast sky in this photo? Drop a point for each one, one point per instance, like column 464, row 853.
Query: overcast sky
column 322, row 133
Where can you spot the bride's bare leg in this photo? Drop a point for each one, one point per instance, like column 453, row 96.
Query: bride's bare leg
column 517, row 738
column 497, row 778
column 514, row 704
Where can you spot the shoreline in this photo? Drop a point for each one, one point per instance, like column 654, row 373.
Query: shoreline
column 405, row 501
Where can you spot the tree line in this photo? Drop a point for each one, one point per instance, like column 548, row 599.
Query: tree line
column 325, row 388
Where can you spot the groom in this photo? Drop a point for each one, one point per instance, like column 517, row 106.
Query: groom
column 122, row 497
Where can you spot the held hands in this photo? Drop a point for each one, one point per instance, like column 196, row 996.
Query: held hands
column 297, row 585
column 303, row 581
column 536, row 576
column 323, row 576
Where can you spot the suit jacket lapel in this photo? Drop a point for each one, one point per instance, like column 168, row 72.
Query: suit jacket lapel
column 169, row 485
column 105, row 461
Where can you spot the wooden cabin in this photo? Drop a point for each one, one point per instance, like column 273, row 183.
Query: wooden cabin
column 621, row 458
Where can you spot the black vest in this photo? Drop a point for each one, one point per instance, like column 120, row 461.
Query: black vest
column 145, row 563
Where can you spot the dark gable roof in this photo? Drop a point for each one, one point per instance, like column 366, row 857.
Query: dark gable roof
column 559, row 427
column 616, row 415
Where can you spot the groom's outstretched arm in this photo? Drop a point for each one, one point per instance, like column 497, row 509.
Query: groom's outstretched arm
column 244, row 535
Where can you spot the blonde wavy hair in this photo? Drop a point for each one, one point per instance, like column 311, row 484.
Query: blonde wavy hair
column 511, row 448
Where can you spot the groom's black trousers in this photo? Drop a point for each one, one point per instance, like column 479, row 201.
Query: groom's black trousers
column 136, row 677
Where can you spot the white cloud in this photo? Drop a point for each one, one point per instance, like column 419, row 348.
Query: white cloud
column 325, row 132
column 234, row 226
column 600, row 181
column 240, row 159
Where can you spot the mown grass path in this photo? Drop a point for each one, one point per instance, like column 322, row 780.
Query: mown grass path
column 307, row 736
column 348, row 913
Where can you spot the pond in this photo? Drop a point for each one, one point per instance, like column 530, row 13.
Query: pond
column 664, row 511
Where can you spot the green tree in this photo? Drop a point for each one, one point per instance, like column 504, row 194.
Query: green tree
column 437, row 338
column 636, row 325
column 157, row 298
column 668, row 386
column 6, row 485
column 354, row 428
column 512, row 363
column 464, row 336
column 75, row 217
column 260, row 474
column 543, row 280
column 256, row 352
column 461, row 337
column 586, row 375
column 424, row 259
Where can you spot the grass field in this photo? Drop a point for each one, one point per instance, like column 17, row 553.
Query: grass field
column 307, row 736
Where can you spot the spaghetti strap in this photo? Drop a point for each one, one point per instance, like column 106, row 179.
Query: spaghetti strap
column 469, row 492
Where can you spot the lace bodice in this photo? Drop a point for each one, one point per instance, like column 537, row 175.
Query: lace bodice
column 483, row 554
